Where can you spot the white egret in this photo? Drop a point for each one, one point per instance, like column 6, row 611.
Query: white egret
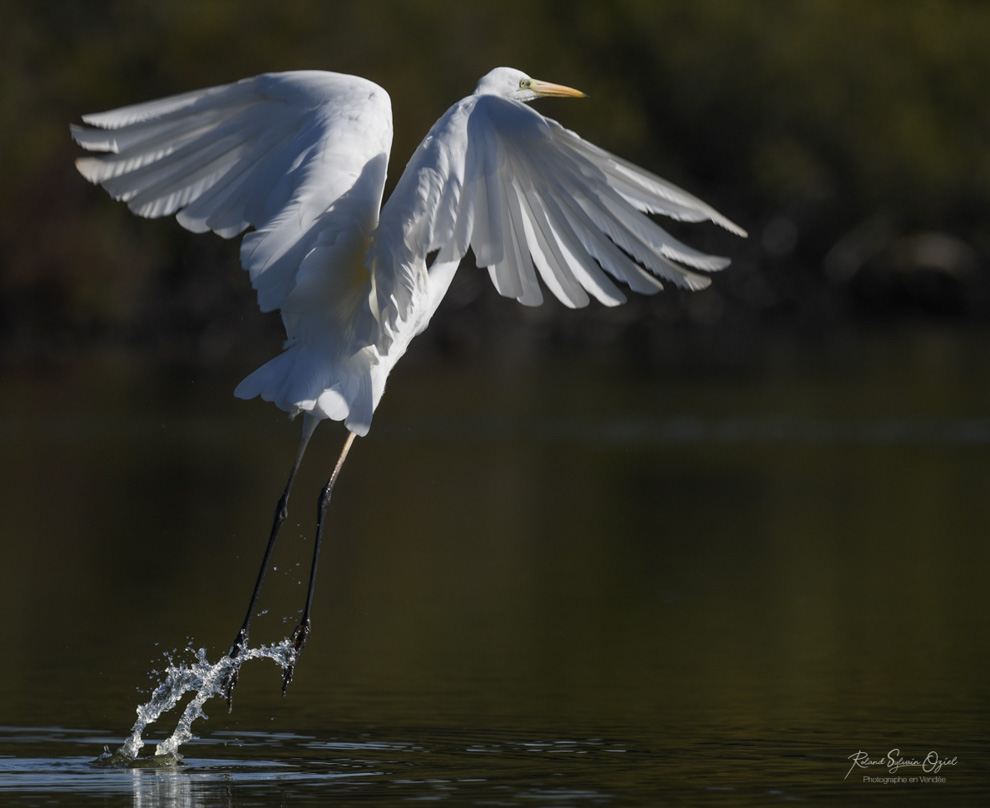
column 301, row 158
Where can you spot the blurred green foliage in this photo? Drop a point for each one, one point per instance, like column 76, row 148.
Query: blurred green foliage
column 849, row 136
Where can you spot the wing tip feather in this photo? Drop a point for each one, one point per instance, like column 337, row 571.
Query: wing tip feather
column 731, row 226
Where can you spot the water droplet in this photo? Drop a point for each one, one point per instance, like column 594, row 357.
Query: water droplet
column 206, row 681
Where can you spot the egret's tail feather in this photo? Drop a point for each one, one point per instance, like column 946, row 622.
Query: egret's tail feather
column 299, row 380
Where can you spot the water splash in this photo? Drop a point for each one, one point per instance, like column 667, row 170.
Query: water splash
column 206, row 680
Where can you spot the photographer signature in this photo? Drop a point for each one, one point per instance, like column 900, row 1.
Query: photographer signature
column 894, row 762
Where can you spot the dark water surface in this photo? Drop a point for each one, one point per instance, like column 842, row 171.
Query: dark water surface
column 543, row 586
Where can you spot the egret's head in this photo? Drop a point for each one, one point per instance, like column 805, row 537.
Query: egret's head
column 511, row 83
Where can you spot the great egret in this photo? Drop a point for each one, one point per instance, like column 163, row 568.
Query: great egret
column 301, row 157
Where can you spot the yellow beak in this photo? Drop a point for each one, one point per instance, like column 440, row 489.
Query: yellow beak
column 545, row 88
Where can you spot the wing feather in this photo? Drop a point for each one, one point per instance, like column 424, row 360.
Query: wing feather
column 532, row 199
column 299, row 157
column 274, row 152
column 582, row 260
column 515, row 275
column 647, row 191
column 603, row 250
column 554, row 268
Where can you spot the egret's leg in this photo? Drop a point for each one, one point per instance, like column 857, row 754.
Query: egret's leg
column 301, row 633
column 281, row 512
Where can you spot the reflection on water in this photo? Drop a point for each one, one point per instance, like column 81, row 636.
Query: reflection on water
column 575, row 587
column 304, row 770
column 485, row 767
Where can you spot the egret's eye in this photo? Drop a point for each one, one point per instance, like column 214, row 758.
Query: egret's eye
column 524, row 84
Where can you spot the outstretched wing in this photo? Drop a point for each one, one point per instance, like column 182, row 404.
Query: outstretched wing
column 533, row 200
column 275, row 152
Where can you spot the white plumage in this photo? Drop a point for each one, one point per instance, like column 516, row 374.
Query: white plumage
column 301, row 158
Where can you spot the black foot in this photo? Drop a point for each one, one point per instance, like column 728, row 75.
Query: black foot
column 299, row 637
column 227, row 688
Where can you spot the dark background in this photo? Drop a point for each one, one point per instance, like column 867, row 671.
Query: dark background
column 741, row 533
column 849, row 138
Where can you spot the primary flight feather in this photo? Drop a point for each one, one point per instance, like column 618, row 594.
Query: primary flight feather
column 299, row 159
